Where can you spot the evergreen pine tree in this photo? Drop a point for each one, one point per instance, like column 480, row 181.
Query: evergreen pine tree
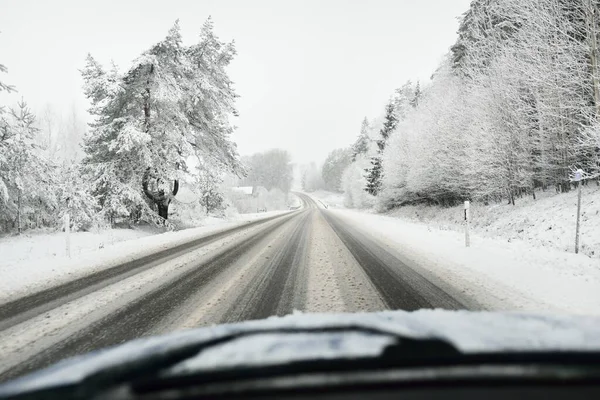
column 375, row 172
column 361, row 145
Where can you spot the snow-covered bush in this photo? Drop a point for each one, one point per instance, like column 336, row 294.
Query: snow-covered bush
column 353, row 184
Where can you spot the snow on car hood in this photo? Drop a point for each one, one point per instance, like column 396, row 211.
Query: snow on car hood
column 469, row 332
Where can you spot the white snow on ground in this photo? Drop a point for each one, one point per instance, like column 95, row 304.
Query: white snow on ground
column 548, row 221
column 53, row 326
column 328, row 199
column 34, row 265
column 32, row 245
column 498, row 274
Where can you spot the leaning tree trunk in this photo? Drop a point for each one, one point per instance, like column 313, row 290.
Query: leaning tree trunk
column 159, row 197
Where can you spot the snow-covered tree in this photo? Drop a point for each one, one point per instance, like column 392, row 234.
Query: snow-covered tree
column 4, row 86
column 172, row 104
column 311, row 178
column 416, row 96
column 361, row 145
column 270, row 169
column 354, row 182
column 333, row 168
column 375, row 171
column 208, row 182
column 25, row 176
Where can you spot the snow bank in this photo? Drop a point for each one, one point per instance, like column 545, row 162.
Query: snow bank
column 548, row 221
column 499, row 274
column 329, row 199
column 40, row 245
column 29, row 263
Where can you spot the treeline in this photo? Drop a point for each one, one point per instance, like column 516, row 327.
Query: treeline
column 163, row 121
column 512, row 109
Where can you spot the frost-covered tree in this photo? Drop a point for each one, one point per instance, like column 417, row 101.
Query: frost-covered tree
column 333, row 168
column 416, row 96
column 311, row 178
column 375, row 171
column 4, row 87
column 361, row 145
column 25, row 175
column 513, row 108
column 208, row 182
column 73, row 195
column 270, row 169
column 172, row 104
column 354, row 182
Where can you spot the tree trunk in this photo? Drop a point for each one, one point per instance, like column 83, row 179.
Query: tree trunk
column 161, row 199
column 163, row 210
column 19, row 212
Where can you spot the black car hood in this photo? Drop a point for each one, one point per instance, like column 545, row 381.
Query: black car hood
column 270, row 341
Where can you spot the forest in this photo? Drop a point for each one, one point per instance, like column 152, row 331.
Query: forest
column 512, row 109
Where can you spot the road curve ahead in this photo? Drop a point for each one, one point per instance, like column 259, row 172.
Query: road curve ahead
column 309, row 260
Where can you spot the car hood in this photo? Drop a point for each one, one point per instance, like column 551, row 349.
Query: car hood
column 268, row 342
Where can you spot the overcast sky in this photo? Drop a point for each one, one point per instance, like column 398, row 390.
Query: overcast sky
column 307, row 71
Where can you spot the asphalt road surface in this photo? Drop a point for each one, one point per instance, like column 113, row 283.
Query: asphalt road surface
column 309, row 260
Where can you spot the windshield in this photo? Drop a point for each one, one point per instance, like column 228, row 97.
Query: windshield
column 166, row 167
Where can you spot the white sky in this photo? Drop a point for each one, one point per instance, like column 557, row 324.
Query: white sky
column 307, row 71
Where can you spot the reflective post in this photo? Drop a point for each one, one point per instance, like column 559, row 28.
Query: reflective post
column 577, row 178
column 68, row 228
column 467, row 217
column 68, row 234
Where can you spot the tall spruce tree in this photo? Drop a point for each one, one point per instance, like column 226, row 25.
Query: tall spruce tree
column 375, row 172
column 361, row 145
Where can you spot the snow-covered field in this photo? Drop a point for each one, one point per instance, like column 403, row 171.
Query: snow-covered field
column 34, row 261
column 548, row 221
column 44, row 245
column 499, row 274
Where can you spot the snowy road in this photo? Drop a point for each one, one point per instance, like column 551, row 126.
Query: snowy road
column 309, row 260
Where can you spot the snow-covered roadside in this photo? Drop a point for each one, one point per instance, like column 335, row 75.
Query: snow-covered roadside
column 44, row 245
column 31, row 269
column 548, row 221
column 498, row 274
column 328, row 199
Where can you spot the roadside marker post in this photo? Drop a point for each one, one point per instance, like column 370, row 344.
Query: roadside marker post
column 577, row 178
column 68, row 228
column 68, row 234
column 467, row 218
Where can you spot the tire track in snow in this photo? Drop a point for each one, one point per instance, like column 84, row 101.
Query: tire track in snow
column 138, row 317
column 25, row 308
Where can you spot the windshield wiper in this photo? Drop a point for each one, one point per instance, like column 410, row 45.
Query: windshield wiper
column 152, row 372
column 151, row 365
column 407, row 354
